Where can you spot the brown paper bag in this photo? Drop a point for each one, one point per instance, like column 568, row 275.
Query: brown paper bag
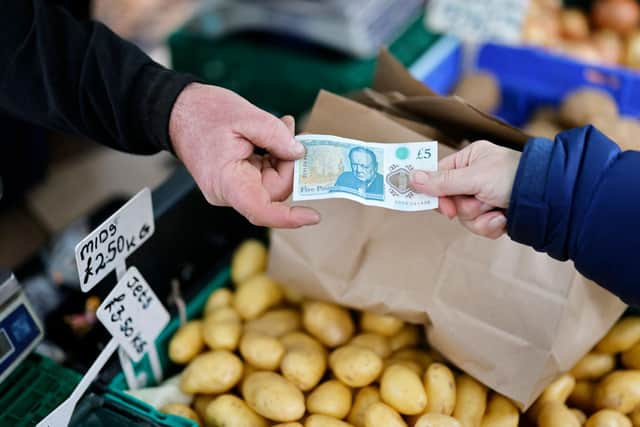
column 511, row 317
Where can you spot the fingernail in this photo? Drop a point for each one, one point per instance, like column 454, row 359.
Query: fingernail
column 419, row 177
column 312, row 217
column 297, row 148
column 498, row 222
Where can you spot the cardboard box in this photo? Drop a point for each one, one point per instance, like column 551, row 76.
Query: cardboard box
column 511, row 317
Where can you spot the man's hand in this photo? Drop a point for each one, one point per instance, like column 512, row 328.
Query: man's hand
column 473, row 184
column 214, row 132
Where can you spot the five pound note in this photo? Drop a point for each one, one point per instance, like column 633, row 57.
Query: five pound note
column 370, row 173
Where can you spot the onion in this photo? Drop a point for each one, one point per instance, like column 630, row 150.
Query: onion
column 621, row 16
column 632, row 53
column 609, row 45
column 574, row 24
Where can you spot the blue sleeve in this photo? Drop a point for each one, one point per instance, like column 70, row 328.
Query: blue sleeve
column 578, row 198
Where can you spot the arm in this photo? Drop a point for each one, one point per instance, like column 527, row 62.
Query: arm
column 79, row 77
column 578, row 198
column 574, row 198
column 82, row 78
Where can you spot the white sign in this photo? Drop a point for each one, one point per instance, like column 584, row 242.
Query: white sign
column 476, row 21
column 133, row 314
column 117, row 237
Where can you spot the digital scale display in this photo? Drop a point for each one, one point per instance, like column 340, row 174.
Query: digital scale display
column 20, row 329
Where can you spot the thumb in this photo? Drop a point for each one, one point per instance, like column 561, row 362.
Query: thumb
column 274, row 135
column 451, row 182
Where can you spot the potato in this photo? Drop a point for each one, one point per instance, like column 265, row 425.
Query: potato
column 580, row 416
column 386, row 325
column 212, row 372
column 330, row 398
column 635, row 417
column 186, row 343
column 248, row 260
column 440, row 386
column 582, row 395
column 231, row 411
column 436, row 420
column 276, row 322
column 501, row 412
column 544, row 129
column 200, row 403
column 480, row 89
column 409, row 336
column 182, row 411
column 256, row 296
column 222, row 297
column 402, row 389
column 305, row 361
column 355, row 366
column 593, row 366
column 585, row 106
column 471, row 401
column 608, row 418
column 411, row 364
column 295, row 340
column 422, row 357
column 556, row 414
column 294, row 424
column 330, row 324
column 317, row 420
column 624, row 335
column 273, row 396
column 262, row 351
column 223, row 334
column 365, row 397
column 620, row 390
column 377, row 343
column 559, row 390
column 631, row 358
column 223, row 314
column 381, row 415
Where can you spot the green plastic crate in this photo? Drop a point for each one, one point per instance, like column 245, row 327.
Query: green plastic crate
column 114, row 408
column 280, row 76
column 33, row 390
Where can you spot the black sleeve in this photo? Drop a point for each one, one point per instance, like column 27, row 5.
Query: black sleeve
column 81, row 78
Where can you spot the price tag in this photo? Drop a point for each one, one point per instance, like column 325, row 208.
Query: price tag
column 477, row 21
column 133, row 314
column 117, row 237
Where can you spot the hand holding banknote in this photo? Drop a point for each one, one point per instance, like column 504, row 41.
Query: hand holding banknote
column 473, row 184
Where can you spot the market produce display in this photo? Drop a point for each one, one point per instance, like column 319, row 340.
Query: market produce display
column 277, row 359
column 608, row 33
column 583, row 107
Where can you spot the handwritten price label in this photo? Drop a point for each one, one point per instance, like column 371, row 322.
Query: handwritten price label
column 133, row 314
column 117, row 237
column 499, row 20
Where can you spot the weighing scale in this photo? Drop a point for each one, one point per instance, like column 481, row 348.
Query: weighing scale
column 20, row 328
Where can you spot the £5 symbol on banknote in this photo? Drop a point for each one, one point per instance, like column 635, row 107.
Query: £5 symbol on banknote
column 370, row 173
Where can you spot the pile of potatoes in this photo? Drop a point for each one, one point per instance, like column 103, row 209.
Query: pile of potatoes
column 263, row 356
column 583, row 107
column 602, row 390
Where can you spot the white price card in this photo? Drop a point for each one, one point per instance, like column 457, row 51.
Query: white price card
column 133, row 314
column 477, row 21
column 99, row 253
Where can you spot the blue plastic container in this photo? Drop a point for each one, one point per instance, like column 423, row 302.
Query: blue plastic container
column 440, row 67
column 531, row 77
